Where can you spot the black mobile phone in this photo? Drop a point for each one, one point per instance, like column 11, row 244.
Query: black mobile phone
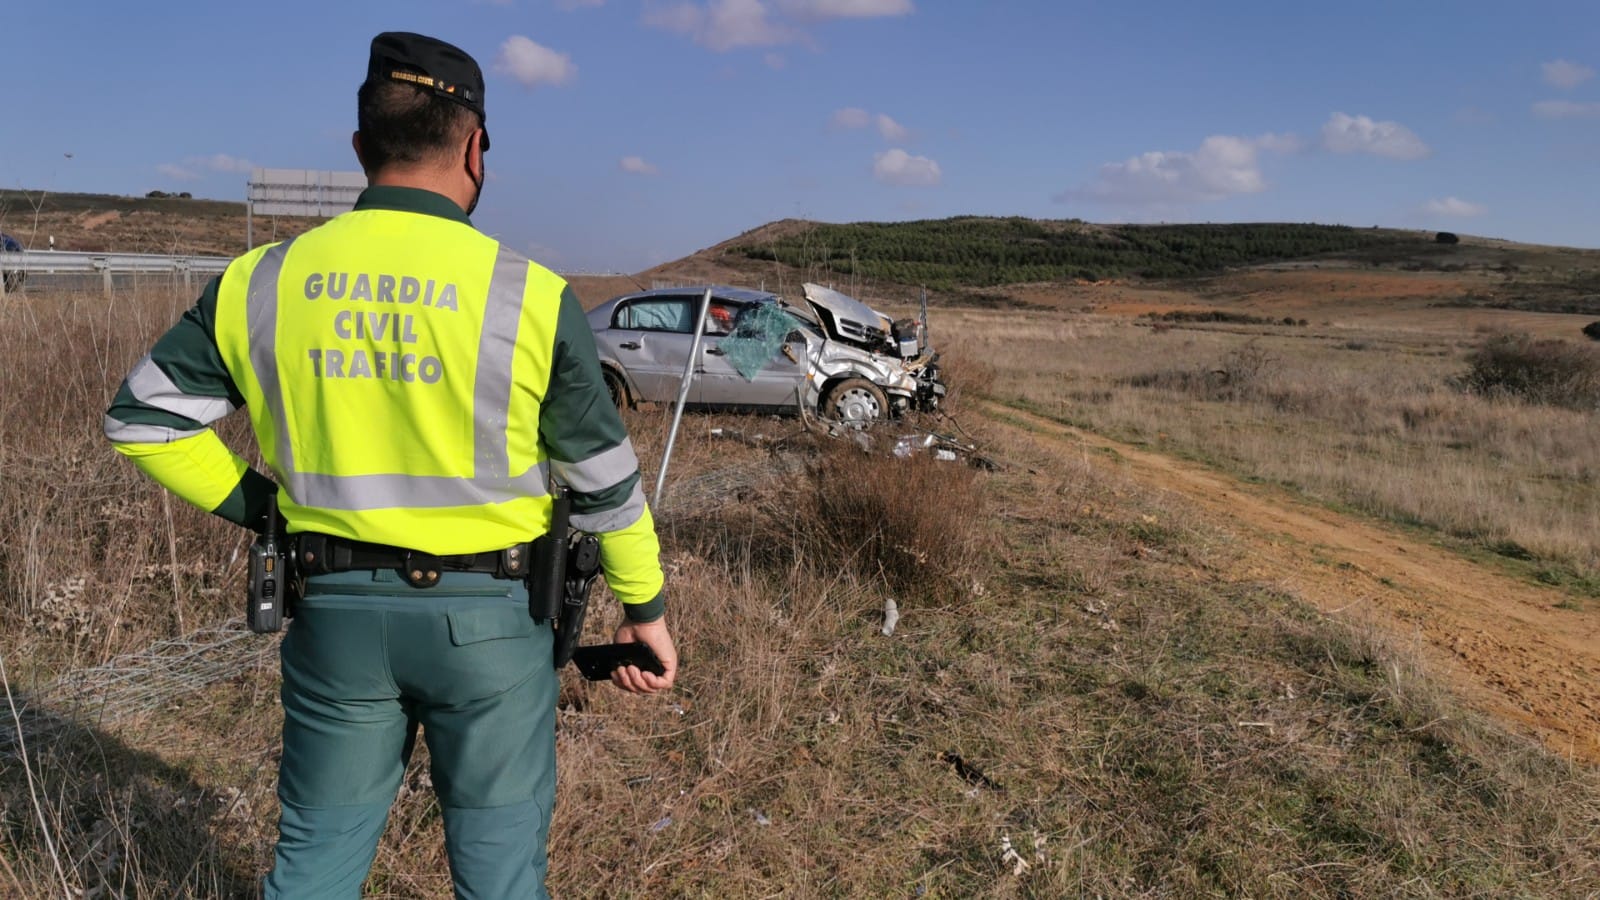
column 597, row 661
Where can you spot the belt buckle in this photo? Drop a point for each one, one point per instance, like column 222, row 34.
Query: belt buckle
column 421, row 570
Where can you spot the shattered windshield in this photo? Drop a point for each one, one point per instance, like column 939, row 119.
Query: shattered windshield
column 758, row 334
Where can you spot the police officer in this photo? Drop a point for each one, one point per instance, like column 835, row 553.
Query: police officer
column 414, row 386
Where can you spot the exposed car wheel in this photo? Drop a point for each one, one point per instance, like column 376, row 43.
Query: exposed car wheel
column 618, row 389
column 855, row 401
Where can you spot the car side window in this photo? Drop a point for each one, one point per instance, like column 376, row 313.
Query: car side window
column 673, row 314
column 720, row 317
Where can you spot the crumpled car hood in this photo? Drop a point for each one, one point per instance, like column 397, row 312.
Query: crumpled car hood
column 854, row 319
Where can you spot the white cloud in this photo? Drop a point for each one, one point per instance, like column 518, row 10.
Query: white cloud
column 1279, row 143
column 195, row 167
column 845, row 9
column 1566, row 74
column 899, row 167
column 854, row 117
column 1222, row 166
column 891, row 130
column 1566, row 109
column 175, row 171
column 850, row 117
column 1360, row 134
column 533, row 64
column 636, row 165
column 222, row 162
column 723, row 25
column 546, row 254
column 1453, row 207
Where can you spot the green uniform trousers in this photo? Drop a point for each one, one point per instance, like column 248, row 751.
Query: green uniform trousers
column 368, row 659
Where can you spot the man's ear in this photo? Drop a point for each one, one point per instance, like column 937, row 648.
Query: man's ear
column 355, row 144
column 475, row 153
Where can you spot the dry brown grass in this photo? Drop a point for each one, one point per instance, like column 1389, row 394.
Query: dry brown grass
column 1559, row 373
column 86, row 545
column 1362, row 416
column 1156, row 730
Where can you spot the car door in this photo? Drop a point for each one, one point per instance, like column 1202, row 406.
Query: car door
column 782, row 371
column 651, row 337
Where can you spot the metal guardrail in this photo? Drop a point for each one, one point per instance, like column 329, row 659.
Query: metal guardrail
column 106, row 265
column 74, row 262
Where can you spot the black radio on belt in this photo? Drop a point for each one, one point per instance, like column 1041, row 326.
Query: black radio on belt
column 268, row 590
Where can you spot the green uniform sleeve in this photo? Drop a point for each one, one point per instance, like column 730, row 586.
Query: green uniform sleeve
column 590, row 453
column 160, row 415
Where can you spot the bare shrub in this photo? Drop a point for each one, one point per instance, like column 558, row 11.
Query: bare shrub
column 1244, row 368
column 1242, row 373
column 916, row 523
column 1550, row 372
column 967, row 374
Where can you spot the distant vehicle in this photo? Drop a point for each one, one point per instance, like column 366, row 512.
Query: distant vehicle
column 835, row 354
column 13, row 277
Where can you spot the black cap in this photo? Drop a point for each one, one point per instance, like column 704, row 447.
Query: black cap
column 432, row 65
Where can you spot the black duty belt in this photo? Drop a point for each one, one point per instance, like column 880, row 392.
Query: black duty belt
column 322, row 554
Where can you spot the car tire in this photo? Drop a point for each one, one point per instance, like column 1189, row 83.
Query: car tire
column 856, row 401
column 617, row 388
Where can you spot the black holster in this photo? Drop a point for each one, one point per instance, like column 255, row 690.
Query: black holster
column 583, row 565
column 273, row 586
column 547, row 565
column 562, row 568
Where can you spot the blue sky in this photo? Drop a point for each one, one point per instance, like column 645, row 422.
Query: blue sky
column 631, row 132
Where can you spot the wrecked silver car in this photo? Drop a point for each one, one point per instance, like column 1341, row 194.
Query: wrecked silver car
column 835, row 354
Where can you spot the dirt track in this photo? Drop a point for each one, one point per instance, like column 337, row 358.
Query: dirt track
column 1503, row 643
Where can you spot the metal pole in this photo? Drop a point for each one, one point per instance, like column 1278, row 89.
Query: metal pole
column 683, row 395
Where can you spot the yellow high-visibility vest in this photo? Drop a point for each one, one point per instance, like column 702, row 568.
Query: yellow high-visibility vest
column 393, row 365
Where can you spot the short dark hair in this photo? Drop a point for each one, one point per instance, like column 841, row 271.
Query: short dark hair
column 401, row 123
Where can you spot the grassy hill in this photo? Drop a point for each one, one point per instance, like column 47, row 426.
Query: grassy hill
column 964, row 259
column 970, row 251
column 984, row 258
column 113, row 223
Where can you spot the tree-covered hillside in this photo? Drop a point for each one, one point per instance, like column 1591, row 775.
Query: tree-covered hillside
column 973, row 251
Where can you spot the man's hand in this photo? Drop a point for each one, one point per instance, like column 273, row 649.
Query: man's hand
column 655, row 634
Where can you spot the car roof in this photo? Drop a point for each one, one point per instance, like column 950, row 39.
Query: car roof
column 743, row 295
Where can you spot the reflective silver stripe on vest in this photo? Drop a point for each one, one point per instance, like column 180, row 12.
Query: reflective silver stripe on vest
column 261, row 317
column 490, row 482
column 355, row 493
column 153, row 388
column 130, row 433
column 497, row 348
column 612, row 519
column 600, row 471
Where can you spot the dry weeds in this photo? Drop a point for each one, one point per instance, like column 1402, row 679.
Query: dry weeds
column 1360, row 417
column 1127, row 724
